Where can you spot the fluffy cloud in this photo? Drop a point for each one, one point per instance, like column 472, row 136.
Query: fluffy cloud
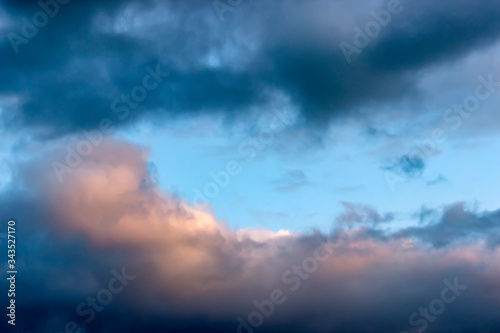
column 194, row 273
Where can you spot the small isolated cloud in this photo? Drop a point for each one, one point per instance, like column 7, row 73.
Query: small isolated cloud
column 408, row 166
column 439, row 179
column 356, row 214
column 291, row 181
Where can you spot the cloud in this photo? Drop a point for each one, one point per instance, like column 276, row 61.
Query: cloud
column 87, row 58
column 438, row 180
column 351, row 188
column 356, row 214
column 92, row 62
column 193, row 273
column 291, row 181
column 408, row 166
column 454, row 225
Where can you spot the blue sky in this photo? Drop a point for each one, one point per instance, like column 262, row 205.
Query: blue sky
column 342, row 164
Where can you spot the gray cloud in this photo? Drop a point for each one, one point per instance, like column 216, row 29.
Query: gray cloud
column 88, row 55
column 408, row 166
column 356, row 214
column 454, row 225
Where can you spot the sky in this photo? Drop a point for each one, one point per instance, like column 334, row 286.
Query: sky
column 251, row 166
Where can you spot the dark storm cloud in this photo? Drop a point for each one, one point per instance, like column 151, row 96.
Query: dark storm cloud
column 69, row 74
